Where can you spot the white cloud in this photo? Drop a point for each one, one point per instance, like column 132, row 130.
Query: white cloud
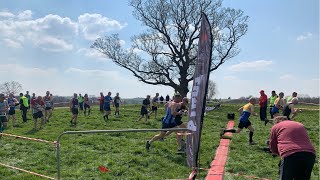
column 19, row 70
column 114, row 75
column 27, row 14
column 93, row 26
column 287, row 77
column 53, row 32
column 11, row 43
column 304, row 36
column 259, row 65
column 53, row 44
column 6, row 14
column 93, row 53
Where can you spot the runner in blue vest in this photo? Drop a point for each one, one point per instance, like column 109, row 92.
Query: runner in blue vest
column 13, row 102
column 168, row 120
column 74, row 105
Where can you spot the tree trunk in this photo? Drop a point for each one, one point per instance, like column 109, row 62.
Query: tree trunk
column 183, row 90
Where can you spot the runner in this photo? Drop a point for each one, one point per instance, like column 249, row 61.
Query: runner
column 80, row 100
column 13, row 102
column 106, row 106
column 74, row 108
column 289, row 109
column 144, row 108
column 86, row 105
column 4, row 106
column 117, row 102
column 246, row 111
column 48, row 106
column 52, row 104
column 155, row 105
column 168, row 121
column 278, row 104
column 37, row 106
column 101, row 101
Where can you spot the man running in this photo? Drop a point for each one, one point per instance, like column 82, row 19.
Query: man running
column 289, row 109
column 155, row 105
column 168, row 121
column 117, row 102
column 12, row 102
column 86, row 105
column 246, row 111
column 144, row 108
column 80, row 100
column 37, row 106
column 48, row 106
column 74, row 108
column 4, row 106
column 278, row 105
column 106, row 106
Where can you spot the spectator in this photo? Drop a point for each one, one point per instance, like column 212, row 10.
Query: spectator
column 290, row 140
column 24, row 105
column 161, row 99
column 263, row 103
column 167, row 98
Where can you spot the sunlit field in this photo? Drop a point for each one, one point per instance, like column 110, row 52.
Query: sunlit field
column 124, row 154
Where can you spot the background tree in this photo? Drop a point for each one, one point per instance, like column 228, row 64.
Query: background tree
column 170, row 41
column 212, row 89
column 10, row 87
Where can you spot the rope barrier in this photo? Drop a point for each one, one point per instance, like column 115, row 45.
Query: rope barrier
column 32, row 139
column 30, row 172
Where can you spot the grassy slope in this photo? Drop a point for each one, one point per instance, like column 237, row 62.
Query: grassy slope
column 125, row 155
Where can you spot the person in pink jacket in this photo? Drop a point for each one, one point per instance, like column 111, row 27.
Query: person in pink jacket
column 290, row 140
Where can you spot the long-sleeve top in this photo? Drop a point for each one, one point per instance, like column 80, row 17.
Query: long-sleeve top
column 289, row 137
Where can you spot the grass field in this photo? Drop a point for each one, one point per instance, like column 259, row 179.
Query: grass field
column 124, row 154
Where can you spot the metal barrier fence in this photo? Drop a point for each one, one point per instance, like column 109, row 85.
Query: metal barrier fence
column 106, row 157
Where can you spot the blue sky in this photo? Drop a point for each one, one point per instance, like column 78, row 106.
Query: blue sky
column 45, row 45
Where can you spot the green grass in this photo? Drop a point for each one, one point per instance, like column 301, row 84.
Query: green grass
column 124, row 154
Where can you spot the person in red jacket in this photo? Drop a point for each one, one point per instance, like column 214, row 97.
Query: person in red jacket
column 290, row 140
column 263, row 103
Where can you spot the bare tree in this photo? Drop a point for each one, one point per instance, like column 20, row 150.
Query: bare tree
column 10, row 87
column 212, row 89
column 169, row 45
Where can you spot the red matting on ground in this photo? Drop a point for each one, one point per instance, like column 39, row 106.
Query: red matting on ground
column 216, row 171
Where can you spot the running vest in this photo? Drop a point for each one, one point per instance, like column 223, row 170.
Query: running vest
column 168, row 118
column 80, row 99
column 75, row 103
column 117, row 99
column 25, row 101
column 11, row 103
column 246, row 112
column 47, row 101
column 272, row 99
column 155, row 102
column 287, row 110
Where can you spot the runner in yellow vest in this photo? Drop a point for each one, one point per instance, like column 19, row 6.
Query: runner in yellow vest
column 272, row 98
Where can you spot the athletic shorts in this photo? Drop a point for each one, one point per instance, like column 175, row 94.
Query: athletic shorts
column 3, row 119
column 86, row 106
column 12, row 111
column 166, row 126
column 37, row 115
column 154, row 108
column 107, row 108
column 75, row 111
column 274, row 110
column 143, row 111
column 178, row 120
column 243, row 124
column 116, row 105
column 48, row 108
